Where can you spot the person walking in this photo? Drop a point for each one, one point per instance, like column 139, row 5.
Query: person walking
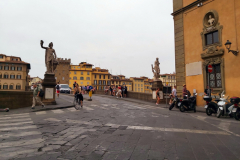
column 119, row 92
column 157, row 96
column 110, row 90
column 125, row 91
column 184, row 92
column 173, row 94
column 36, row 98
column 114, row 91
column 58, row 89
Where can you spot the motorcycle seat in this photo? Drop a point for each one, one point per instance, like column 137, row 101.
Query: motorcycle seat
column 217, row 100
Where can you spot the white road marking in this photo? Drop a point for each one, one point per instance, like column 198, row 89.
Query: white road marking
column 52, row 119
column 105, row 105
column 112, row 125
column 14, row 117
column 17, row 128
column 15, row 120
column 224, row 125
column 17, row 114
column 93, row 105
column 21, row 134
column 115, row 107
column 72, row 109
column 15, row 124
column 42, row 112
column 57, row 111
column 104, row 108
column 87, row 108
column 20, row 143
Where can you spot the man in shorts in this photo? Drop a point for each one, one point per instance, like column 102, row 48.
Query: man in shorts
column 77, row 92
column 58, row 89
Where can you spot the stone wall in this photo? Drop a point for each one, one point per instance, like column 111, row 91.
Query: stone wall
column 137, row 95
column 17, row 99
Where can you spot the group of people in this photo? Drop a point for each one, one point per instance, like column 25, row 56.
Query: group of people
column 118, row 90
column 84, row 89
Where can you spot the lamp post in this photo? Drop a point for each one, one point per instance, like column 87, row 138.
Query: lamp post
column 228, row 46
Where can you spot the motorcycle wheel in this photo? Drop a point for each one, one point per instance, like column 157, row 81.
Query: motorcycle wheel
column 219, row 113
column 237, row 115
column 171, row 106
column 209, row 111
column 181, row 108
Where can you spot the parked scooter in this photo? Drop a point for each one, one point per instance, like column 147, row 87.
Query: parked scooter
column 4, row 110
column 188, row 104
column 210, row 106
column 223, row 107
column 235, row 109
column 176, row 102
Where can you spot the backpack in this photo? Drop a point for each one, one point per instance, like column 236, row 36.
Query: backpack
column 41, row 94
column 57, row 86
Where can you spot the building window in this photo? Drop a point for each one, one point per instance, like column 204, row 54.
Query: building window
column 100, row 82
column 0, row 86
column 0, row 67
column 81, row 83
column 88, row 66
column 109, row 82
column 130, row 88
column 108, row 77
column 13, row 68
column 112, row 82
column 95, row 76
column 104, row 82
column 19, row 68
column 18, row 76
column 141, row 85
column 141, row 80
column 100, row 87
column 81, row 73
column 74, row 78
column 103, row 76
column 11, row 86
column 87, row 73
column 88, row 78
column 0, row 75
column 95, row 82
column 141, row 89
column 138, row 89
column 18, row 86
column 6, row 68
column 87, row 82
column 211, row 38
column 63, row 78
column 5, row 86
column 81, row 78
column 100, row 77
column 75, row 72
column 1, row 57
column 12, row 76
column 69, row 72
column 5, row 75
column 138, row 85
column 123, row 83
column 215, row 77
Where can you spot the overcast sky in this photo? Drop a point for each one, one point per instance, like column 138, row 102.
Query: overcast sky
column 124, row 36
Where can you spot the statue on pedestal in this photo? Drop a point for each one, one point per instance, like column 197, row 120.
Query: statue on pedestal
column 211, row 20
column 156, row 70
column 50, row 58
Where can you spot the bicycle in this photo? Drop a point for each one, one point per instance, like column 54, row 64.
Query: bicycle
column 76, row 103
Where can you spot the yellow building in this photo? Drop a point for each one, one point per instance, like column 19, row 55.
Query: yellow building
column 34, row 80
column 121, row 80
column 100, row 78
column 147, row 84
column 168, row 79
column 202, row 29
column 138, row 84
column 13, row 73
column 81, row 74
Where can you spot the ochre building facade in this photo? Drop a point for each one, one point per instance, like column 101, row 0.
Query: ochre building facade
column 201, row 30
column 13, row 73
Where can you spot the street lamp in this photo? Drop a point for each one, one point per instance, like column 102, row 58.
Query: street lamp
column 228, row 46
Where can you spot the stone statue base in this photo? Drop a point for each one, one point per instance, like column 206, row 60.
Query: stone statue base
column 157, row 84
column 48, row 86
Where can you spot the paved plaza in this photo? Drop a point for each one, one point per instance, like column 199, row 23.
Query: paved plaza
column 117, row 129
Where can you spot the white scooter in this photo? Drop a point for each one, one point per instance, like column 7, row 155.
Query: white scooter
column 224, row 106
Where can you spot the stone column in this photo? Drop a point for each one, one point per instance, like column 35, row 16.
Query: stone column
column 48, row 86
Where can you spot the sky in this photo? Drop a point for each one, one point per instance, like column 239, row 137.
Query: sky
column 123, row 36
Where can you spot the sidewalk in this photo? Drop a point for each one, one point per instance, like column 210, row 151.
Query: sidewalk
column 199, row 109
column 61, row 103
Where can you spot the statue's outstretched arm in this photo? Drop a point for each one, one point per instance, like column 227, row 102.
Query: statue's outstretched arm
column 55, row 54
column 41, row 43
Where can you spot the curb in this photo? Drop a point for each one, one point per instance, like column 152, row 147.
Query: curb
column 46, row 109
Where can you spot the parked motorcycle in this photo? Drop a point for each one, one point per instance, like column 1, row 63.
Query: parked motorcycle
column 223, row 107
column 188, row 104
column 210, row 106
column 176, row 102
column 235, row 109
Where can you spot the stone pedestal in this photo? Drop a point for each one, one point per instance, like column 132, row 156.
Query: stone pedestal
column 48, row 86
column 155, row 85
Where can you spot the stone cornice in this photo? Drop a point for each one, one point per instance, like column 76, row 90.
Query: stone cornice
column 194, row 4
column 212, row 52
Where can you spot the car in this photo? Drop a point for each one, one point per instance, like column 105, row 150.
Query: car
column 64, row 88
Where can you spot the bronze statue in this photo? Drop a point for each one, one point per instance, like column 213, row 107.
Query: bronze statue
column 50, row 57
column 156, row 70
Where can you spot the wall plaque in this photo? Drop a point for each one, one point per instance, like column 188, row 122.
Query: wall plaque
column 194, row 68
column 48, row 93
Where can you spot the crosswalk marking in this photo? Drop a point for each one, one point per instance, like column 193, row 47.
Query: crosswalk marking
column 42, row 112
column 21, row 134
column 21, row 114
column 18, row 128
column 115, row 107
column 104, row 108
column 14, row 117
column 72, row 109
column 105, row 105
column 20, row 143
column 15, row 124
column 87, row 108
column 57, row 111
column 15, row 120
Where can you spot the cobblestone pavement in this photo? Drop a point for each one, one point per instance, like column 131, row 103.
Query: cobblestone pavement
column 109, row 129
